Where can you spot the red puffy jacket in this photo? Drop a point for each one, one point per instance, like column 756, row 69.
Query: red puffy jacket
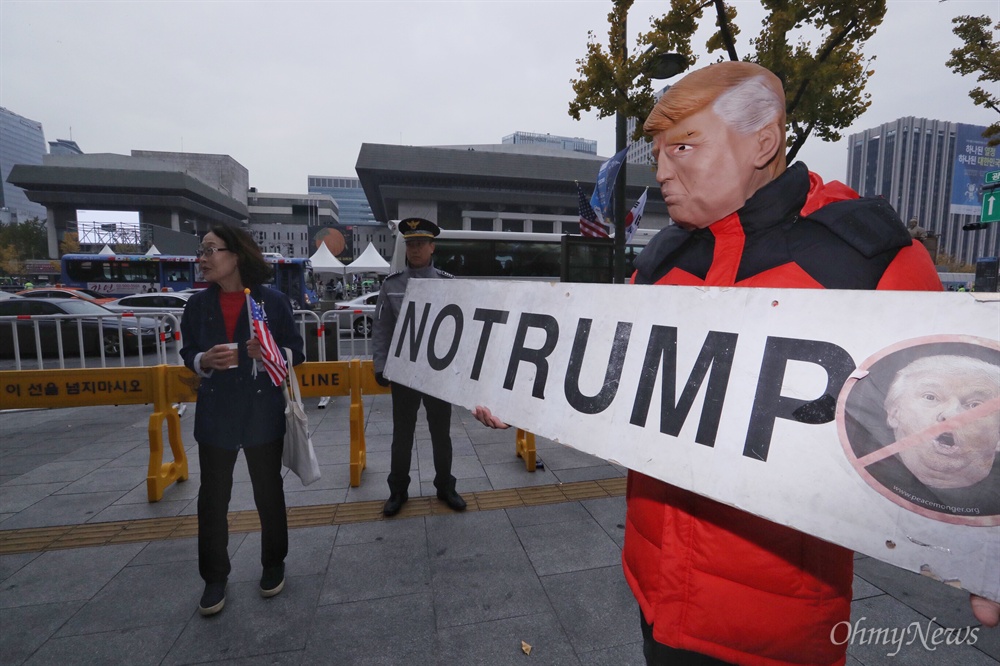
column 711, row 578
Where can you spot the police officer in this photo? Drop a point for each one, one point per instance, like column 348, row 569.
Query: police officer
column 418, row 235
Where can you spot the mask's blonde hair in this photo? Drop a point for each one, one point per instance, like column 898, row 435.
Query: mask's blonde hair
column 744, row 95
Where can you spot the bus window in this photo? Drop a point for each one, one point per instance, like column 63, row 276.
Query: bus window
column 521, row 256
column 532, row 259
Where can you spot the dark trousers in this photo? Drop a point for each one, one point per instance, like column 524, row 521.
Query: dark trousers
column 405, row 403
column 264, row 463
column 658, row 654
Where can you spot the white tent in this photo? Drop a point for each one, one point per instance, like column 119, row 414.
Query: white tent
column 106, row 250
column 370, row 261
column 152, row 251
column 323, row 261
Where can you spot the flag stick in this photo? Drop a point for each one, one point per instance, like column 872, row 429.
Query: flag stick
column 249, row 311
column 250, row 321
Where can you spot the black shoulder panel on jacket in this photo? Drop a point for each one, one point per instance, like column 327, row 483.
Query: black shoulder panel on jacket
column 666, row 242
column 869, row 225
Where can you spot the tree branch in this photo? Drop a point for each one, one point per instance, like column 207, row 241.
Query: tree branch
column 798, row 142
column 831, row 44
column 727, row 36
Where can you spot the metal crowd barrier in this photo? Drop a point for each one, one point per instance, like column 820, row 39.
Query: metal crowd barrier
column 165, row 327
column 314, row 328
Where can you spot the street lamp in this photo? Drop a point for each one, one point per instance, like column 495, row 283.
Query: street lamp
column 659, row 66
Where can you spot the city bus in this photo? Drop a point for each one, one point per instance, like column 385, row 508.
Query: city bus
column 516, row 255
column 125, row 274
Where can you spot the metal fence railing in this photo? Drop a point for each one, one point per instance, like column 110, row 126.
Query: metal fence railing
column 92, row 340
column 150, row 338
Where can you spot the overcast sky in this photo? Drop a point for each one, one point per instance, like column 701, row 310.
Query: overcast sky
column 290, row 89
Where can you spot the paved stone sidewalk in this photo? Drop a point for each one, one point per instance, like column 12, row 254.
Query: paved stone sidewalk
column 536, row 559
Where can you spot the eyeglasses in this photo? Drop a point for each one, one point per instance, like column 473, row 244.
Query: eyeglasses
column 209, row 251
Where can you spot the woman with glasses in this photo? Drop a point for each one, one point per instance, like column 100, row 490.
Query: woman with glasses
column 238, row 407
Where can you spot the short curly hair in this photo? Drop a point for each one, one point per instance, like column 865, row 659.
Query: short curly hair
column 254, row 270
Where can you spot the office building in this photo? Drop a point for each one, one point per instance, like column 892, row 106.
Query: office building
column 641, row 151
column 933, row 171
column 21, row 142
column 572, row 144
column 357, row 223
column 64, row 147
column 349, row 195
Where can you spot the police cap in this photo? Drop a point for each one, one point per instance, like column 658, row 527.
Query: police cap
column 418, row 227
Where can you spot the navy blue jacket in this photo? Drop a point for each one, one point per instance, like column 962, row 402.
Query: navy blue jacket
column 235, row 409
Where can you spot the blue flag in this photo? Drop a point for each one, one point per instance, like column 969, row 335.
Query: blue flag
column 606, row 177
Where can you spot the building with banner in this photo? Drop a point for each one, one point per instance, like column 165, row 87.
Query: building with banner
column 933, row 171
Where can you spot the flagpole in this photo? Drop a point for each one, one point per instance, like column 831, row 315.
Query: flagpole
column 249, row 313
column 618, row 274
column 250, row 321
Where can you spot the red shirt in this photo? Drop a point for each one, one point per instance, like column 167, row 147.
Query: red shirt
column 232, row 303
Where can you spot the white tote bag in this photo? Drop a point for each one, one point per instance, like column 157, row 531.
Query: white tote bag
column 298, row 454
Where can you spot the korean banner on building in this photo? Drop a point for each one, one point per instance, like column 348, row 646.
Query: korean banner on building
column 973, row 159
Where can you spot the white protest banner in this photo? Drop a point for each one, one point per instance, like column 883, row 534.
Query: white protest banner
column 869, row 419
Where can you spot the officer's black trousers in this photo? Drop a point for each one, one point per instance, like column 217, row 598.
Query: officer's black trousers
column 405, row 403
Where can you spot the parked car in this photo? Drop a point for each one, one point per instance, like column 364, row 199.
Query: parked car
column 10, row 284
column 358, row 313
column 4, row 295
column 164, row 301
column 132, row 331
column 67, row 292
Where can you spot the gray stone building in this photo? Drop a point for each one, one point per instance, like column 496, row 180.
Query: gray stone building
column 503, row 187
column 178, row 196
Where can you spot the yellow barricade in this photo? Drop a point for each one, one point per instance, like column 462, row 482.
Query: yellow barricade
column 164, row 386
column 524, row 445
column 34, row 389
column 336, row 378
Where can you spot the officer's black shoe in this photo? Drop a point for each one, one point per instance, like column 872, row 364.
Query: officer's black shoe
column 394, row 504
column 452, row 499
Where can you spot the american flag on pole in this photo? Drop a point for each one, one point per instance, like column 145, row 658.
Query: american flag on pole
column 274, row 358
column 590, row 225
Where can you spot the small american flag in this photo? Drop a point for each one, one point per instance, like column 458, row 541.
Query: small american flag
column 590, row 225
column 274, row 358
